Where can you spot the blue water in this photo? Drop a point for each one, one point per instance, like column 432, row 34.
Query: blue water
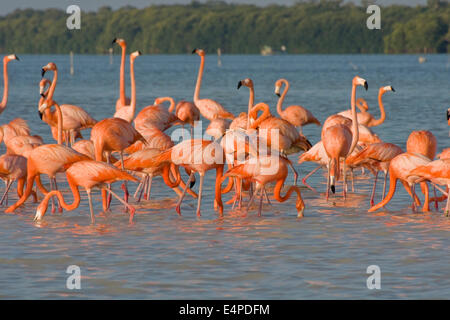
column 276, row 256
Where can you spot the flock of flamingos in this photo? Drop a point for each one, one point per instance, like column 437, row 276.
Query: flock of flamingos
column 144, row 151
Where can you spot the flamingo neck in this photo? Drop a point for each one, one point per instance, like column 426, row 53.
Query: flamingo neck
column 262, row 117
column 251, row 102
column 281, row 99
column 199, row 78
column 133, row 90
column 355, row 135
column 170, row 99
column 5, row 86
column 76, row 198
column 382, row 112
column 59, row 117
column 52, row 88
column 122, row 77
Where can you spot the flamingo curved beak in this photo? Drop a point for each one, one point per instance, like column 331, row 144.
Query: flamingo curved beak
column 193, row 51
column 42, row 72
column 239, row 84
column 392, row 88
column 40, row 114
column 366, row 86
column 17, row 58
column 114, row 41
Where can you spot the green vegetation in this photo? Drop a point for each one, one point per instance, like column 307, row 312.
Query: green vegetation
column 320, row 26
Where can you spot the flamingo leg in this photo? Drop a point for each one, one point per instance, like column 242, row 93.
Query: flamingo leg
column 251, row 199
column 384, row 184
column 447, row 207
column 295, row 173
column 60, row 209
column 344, row 183
column 124, row 184
column 236, row 192
column 373, row 190
column 200, row 192
column 108, row 201
column 178, row 207
column 143, row 188
column 132, row 210
column 266, row 196
column 149, row 187
column 144, row 178
column 436, row 204
column 328, row 180
column 353, row 180
column 413, row 191
column 260, row 201
column 5, row 195
column 90, row 206
column 308, row 175
column 53, row 200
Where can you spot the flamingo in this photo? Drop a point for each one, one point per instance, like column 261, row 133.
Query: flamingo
column 22, row 145
column 16, row 127
column 123, row 100
column 88, row 174
column 47, row 159
column 43, row 91
column 399, row 169
column 186, row 111
column 218, row 127
column 155, row 116
column 114, row 134
column 142, row 161
column 438, row 172
column 316, row 154
column 264, row 170
column 296, row 115
column 366, row 118
column 196, row 155
column 127, row 112
column 339, row 141
column 74, row 117
column 155, row 139
column 209, row 109
column 377, row 156
column 6, row 60
column 13, row 168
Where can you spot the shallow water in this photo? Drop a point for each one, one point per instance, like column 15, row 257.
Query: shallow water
column 276, row 256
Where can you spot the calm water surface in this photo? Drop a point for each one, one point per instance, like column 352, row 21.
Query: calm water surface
column 276, row 256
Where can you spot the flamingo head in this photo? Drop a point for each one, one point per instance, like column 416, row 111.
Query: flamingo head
column 448, row 115
column 50, row 66
column 40, row 212
column 10, row 57
column 135, row 54
column 386, row 89
column 200, row 52
column 246, row 82
column 121, row 42
column 278, row 85
column 357, row 81
column 42, row 84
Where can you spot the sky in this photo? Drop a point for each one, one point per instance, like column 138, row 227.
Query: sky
column 7, row 6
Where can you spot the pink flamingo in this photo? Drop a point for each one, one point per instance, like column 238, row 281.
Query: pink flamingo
column 438, row 172
column 6, row 60
column 210, row 109
column 127, row 112
column 377, row 156
column 13, row 168
column 365, row 118
column 196, row 155
column 88, row 174
column 399, row 169
column 258, row 170
column 186, row 111
column 74, row 117
column 339, row 141
column 123, row 100
column 296, row 115
column 113, row 134
column 47, row 159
